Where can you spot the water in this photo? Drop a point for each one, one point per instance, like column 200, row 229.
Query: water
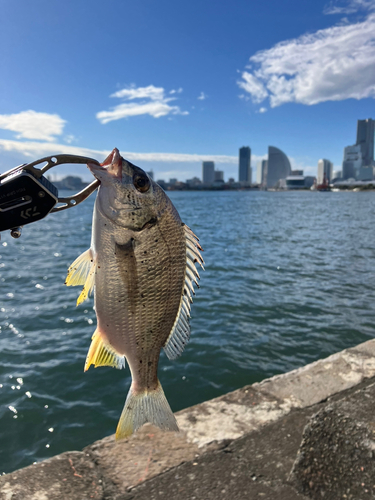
column 290, row 278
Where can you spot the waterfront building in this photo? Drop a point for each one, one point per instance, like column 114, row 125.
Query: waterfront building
column 261, row 172
column 208, row 172
column 337, row 174
column 162, row 184
column 296, row 180
column 352, row 162
column 278, row 167
column 173, row 181
column 150, row 174
column 325, row 171
column 366, row 173
column 244, row 165
column 218, row 175
column 365, row 140
column 358, row 159
column 194, row 182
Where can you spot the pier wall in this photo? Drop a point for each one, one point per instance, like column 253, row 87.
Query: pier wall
column 309, row 433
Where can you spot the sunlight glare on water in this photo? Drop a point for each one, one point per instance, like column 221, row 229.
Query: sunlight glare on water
column 289, row 279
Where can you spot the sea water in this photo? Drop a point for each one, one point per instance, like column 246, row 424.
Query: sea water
column 290, row 278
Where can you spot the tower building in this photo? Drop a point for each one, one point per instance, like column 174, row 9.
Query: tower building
column 365, row 139
column 208, row 172
column 244, row 165
column 278, row 167
column 325, row 171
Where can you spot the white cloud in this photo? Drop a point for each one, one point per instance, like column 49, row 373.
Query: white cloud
column 150, row 100
column 33, row 125
column 262, row 110
column 330, row 65
column 202, row 96
column 150, row 92
column 70, row 138
column 348, row 7
column 38, row 149
column 165, row 165
column 253, row 86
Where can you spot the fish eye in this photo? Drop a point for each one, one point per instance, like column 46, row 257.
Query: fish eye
column 141, row 182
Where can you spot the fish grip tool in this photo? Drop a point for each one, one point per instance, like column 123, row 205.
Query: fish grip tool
column 26, row 195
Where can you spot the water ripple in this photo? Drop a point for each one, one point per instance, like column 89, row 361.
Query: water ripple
column 289, row 279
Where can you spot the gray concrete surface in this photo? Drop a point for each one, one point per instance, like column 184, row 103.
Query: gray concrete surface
column 240, row 445
column 336, row 456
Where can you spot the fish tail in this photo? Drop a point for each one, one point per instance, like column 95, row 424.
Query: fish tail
column 147, row 406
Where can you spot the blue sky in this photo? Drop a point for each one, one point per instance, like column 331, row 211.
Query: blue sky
column 173, row 83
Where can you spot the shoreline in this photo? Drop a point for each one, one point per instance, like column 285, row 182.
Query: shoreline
column 150, row 460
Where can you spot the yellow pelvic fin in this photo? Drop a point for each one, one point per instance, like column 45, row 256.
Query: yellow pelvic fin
column 101, row 354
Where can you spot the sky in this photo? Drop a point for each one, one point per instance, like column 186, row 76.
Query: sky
column 171, row 84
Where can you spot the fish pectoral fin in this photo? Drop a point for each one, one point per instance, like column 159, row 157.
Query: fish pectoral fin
column 79, row 270
column 82, row 272
column 88, row 286
column 102, row 354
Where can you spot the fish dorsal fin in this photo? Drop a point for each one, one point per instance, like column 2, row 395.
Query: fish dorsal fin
column 180, row 333
column 102, row 354
column 82, row 272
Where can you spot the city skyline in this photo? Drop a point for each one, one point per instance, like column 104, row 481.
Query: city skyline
column 174, row 92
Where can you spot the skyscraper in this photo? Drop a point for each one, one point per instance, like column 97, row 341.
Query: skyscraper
column 358, row 162
column 325, row 171
column 244, row 165
column 365, row 139
column 208, row 172
column 352, row 162
column 261, row 172
column 278, row 167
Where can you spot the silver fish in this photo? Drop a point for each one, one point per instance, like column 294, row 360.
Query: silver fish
column 141, row 265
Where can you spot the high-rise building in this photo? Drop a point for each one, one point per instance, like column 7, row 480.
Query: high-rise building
column 352, row 162
column 244, row 165
column 358, row 159
column 150, row 174
column 208, row 172
column 325, row 171
column 337, row 174
column 261, row 172
column 278, row 167
column 365, row 139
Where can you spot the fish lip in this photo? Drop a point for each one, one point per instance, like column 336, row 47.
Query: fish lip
column 112, row 165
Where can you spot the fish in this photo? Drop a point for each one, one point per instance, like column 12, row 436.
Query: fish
column 141, row 267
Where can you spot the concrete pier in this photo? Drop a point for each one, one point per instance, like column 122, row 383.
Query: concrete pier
column 309, row 433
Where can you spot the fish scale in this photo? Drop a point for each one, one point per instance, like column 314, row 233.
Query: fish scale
column 142, row 268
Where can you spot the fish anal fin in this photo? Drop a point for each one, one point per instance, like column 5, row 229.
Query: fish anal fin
column 102, row 354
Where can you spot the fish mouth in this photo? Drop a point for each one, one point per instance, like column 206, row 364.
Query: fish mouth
column 112, row 165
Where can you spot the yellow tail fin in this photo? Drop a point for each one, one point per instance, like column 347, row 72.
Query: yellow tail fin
column 148, row 406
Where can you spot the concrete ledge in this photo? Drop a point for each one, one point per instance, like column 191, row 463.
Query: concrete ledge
column 110, row 470
column 234, row 414
column 336, row 456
